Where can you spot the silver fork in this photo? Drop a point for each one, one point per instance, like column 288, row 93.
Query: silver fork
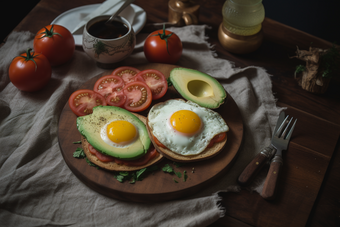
column 280, row 141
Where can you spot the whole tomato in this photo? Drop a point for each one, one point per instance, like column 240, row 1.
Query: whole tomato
column 30, row 71
column 163, row 46
column 56, row 43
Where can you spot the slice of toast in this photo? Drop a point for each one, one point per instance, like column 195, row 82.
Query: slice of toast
column 206, row 154
column 113, row 166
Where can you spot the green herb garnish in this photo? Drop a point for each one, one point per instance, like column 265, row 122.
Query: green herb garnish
column 91, row 163
column 135, row 175
column 119, row 178
column 168, row 169
column 178, row 174
column 185, row 176
column 79, row 153
column 77, row 142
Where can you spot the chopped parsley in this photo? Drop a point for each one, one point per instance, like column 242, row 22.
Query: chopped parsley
column 121, row 176
column 178, row 174
column 91, row 163
column 134, row 176
column 79, row 153
column 185, row 176
column 167, row 169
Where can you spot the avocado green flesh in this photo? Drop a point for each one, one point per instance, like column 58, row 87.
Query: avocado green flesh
column 198, row 87
column 91, row 125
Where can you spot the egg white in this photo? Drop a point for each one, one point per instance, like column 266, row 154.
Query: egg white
column 106, row 139
column 158, row 118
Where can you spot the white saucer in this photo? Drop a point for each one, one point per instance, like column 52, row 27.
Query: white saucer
column 71, row 18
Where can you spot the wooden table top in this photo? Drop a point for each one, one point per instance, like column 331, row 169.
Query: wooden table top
column 310, row 196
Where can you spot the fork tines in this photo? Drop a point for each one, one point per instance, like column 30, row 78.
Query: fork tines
column 285, row 126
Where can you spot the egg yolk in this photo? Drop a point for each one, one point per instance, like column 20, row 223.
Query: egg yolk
column 121, row 132
column 186, row 122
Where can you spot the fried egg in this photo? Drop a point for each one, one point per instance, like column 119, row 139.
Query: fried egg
column 119, row 133
column 185, row 127
column 116, row 132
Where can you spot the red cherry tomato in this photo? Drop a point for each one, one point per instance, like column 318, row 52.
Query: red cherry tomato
column 30, row 71
column 82, row 101
column 138, row 96
column 163, row 46
column 127, row 73
column 155, row 80
column 56, row 43
column 111, row 87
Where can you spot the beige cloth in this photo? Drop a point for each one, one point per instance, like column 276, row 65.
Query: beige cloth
column 38, row 189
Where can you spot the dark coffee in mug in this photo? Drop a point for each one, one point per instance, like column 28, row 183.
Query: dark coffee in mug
column 113, row 30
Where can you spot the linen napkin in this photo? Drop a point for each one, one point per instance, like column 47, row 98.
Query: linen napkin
column 38, row 189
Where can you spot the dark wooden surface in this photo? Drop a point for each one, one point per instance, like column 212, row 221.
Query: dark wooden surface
column 159, row 186
column 311, row 171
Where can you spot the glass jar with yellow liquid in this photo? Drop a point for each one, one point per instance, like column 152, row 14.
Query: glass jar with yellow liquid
column 240, row 32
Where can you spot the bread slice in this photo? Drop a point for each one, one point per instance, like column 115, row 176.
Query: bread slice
column 113, row 166
column 206, row 154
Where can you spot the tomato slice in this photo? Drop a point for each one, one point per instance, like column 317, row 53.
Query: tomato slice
column 82, row 101
column 158, row 142
column 111, row 87
column 102, row 157
column 155, row 80
column 140, row 161
column 218, row 138
column 138, row 96
column 127, row 73
column 152, row 152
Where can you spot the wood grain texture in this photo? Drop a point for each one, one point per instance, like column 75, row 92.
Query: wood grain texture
column 301, row 177
column 159, row 186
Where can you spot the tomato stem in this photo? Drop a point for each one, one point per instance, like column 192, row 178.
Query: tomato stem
column 49, row 33
column 165, row 37
column 30, row 57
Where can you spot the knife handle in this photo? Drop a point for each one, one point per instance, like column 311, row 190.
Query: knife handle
column 254, row 166
column 269, row 187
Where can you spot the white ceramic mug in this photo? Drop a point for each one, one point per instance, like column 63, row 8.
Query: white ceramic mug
column 108, row 51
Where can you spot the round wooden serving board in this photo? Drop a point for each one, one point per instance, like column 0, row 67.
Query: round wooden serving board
column 157, row 186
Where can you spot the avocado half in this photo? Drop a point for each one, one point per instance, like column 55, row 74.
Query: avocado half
column 90, row 127
column 198, row 87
